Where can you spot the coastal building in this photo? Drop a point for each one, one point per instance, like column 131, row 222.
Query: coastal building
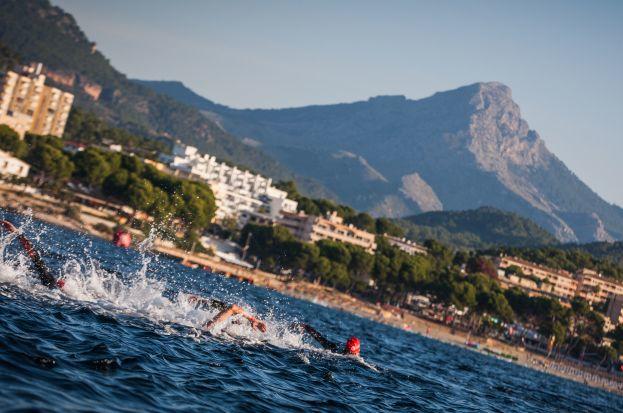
column 311, row 228
column 239, row 193
column 11, row 166
column 594, row 288
column 406, row 245
column 540, row 280
column 614, row 313
column 536, row 279
column 28, row 105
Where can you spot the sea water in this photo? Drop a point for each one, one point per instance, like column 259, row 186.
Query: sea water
column 122, row 336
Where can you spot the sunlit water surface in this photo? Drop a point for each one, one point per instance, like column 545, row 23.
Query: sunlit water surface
column 121, row 337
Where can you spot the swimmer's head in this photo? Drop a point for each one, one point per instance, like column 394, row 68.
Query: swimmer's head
column 353, row 346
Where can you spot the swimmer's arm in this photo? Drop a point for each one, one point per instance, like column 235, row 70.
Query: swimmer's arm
column 326, row 344
column 46, row 278
column 231, row 311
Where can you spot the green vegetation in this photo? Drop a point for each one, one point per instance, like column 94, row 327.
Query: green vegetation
column 124, row 178
column 87, row 128
column 479, row 228
column 611, row 252
column 51, row 167
column 10, row 142
column 8, row 58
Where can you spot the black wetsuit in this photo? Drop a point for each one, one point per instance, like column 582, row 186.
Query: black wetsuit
column 44, row 274
column 326, row 344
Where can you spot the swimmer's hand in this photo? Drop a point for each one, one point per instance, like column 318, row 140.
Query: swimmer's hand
column 257, row 324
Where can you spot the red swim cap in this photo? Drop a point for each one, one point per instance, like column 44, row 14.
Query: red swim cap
column 353, row 346
column 60, row 283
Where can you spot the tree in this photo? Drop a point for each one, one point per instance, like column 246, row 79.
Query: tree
column 53, row 166
column 11, row 142
column 320, row 267
column 362, row 221
column 160, row 208
column 463, row 295
column 116, row 184
column 360, row 266
column 140, row 193
column 91, row 167
column 386, row 226
column 334, row 251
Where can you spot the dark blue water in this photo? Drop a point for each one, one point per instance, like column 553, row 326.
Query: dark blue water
column 120, row 339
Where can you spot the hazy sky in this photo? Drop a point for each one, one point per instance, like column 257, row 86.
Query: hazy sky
column 562, row 59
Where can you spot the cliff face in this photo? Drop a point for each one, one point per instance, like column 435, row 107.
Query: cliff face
column 455, row 150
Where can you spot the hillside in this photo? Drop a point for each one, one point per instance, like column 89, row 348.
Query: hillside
column 480, row 228
column 456, row 150
column 38, row 31
column 607, row 251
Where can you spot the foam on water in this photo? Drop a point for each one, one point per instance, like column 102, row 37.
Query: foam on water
column 137, row 295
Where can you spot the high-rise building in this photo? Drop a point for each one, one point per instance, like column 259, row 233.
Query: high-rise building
column 28, row 105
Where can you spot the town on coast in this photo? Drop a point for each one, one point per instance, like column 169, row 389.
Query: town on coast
column 65, row 166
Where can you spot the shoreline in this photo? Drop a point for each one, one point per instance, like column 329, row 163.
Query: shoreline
column 51, row 210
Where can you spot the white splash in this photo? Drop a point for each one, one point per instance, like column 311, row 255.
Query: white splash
column 139, row 295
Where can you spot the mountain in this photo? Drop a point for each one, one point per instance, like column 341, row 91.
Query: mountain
column 455, row 150
column 37, row 31
column 480, row 228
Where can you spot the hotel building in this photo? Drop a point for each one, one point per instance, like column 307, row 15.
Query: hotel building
column 539, row 280
column 27, row 105
column 310, row 228
column 596, row 289
column 239, row 194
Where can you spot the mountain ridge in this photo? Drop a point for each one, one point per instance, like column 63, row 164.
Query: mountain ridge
column 458, row 149
column 476, row 229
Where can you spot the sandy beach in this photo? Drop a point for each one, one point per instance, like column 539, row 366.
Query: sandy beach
column 53, row 211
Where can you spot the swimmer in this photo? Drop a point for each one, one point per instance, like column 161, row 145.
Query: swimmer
column 226, row 311
column 47, row 279
column 352, row 346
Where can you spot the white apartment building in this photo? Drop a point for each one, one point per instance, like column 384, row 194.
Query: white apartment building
column 9, row 165
column 238, row 192
column 28, row 105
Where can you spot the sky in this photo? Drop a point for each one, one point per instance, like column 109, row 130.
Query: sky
column 562, row 59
